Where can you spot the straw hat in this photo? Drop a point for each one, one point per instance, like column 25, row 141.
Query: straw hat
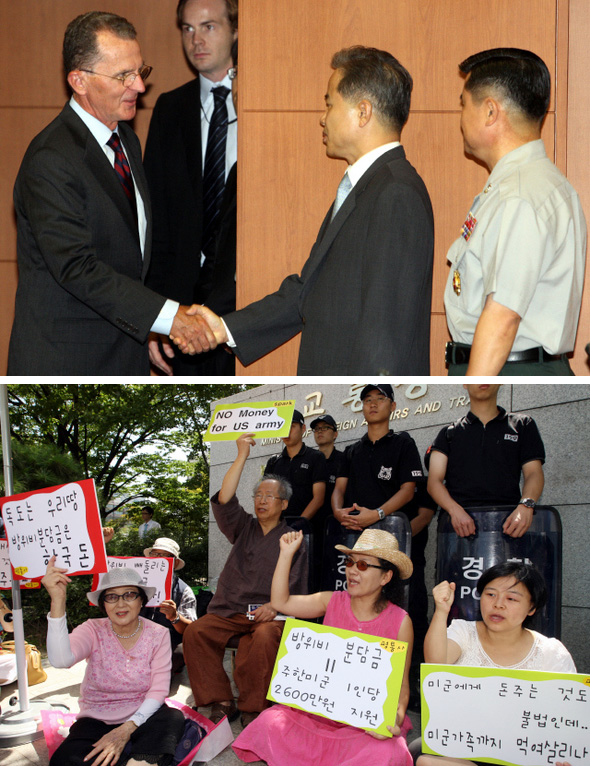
column 382, row 545
column 168, row 545
column 116, row 578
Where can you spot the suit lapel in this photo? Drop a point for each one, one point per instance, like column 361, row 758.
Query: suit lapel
column 99, row 165
column 191, row 135
column 329, row 229
column 134, row 157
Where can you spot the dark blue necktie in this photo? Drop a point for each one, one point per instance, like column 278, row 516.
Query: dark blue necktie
column 214, row 172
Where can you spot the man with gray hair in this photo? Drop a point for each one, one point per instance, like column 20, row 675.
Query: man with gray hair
column 240, row 606
column 84, row 221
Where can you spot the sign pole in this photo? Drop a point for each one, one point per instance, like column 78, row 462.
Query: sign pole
column 17, row 610
column 24, row 725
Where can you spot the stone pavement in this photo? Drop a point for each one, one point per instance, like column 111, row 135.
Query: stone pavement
column 63, row 685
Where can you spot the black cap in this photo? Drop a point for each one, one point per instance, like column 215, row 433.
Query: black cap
column 328, row 419
column 297, row 418
column 383, row 388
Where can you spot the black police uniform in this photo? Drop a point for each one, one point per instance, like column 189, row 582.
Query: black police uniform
column 375, row 473
column 485, row 461
column 302, row 471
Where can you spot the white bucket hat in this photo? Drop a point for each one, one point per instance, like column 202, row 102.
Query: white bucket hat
column 168, row 545
column 117, row 578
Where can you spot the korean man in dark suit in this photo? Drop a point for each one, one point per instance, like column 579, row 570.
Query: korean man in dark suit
column 362, row 300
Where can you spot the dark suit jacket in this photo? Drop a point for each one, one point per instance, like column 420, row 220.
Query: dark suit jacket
column 362, row 301
column 173, row 165
column 81, row 306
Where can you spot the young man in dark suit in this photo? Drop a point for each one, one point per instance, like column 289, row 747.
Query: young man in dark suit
column 193, row 256
column 362, row 301
column 84, row 221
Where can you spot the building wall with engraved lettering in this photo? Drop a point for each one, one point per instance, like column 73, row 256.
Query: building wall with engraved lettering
column 562, row 413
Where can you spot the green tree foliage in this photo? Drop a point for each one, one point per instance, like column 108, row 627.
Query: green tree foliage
column 122, row 436
column 142, row 444
column 35, row 466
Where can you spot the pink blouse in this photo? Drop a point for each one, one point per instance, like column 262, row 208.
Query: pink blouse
column 118, row 681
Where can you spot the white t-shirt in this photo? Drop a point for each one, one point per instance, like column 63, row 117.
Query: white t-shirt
column 546, row 654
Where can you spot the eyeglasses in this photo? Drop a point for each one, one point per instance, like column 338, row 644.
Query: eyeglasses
column 361, row 564
column 127, row 79
column 321, row 429
column 260, row 497
column 112, row 598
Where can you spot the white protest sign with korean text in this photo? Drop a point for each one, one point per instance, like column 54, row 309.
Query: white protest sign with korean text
column 350, row 677
column 155, row 572
column 265, row 419
column 6, row 572
column 522, row 717
column 63, row 521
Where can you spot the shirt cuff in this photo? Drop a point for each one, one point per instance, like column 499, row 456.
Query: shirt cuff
column 163, row 322
column 147, row 708
column 230, row 338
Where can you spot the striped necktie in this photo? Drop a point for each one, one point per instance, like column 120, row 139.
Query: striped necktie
column 214, row 171
column 123, row 170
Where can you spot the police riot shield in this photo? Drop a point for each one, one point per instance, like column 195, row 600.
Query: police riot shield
column 333, row 569
column 463, row 559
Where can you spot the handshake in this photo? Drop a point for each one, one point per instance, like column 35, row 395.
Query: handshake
column 195, row 329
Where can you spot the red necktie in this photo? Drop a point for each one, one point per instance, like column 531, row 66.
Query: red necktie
column 123, row 170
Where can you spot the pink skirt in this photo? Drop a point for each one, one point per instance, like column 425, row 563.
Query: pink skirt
column 284, row 736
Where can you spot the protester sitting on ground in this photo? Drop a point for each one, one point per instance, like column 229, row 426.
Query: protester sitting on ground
column 123, row 718
column 180, row 610
column 283, row 736
column 241, row 604
column 510, row 594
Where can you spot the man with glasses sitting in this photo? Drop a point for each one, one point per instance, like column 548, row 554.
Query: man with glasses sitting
column 84, row 221
column 240, row 606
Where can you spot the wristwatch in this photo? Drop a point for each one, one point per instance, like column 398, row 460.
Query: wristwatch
column 528, row 502
column 173, row 622
column 381, row 513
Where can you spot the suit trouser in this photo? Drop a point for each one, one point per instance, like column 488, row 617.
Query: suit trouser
column 204, row 643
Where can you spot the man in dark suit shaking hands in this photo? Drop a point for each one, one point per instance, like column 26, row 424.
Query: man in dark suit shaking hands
column 362, row 301
column 84, row 221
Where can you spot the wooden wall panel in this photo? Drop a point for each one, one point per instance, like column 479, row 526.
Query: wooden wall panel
column 8, row 280
column 32, row 37
column 285, row 181
column 430, row 37
column 281, row 209
column 578, row 149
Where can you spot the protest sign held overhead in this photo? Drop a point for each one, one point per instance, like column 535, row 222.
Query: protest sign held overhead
column 264, row 419
column 61, row 521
